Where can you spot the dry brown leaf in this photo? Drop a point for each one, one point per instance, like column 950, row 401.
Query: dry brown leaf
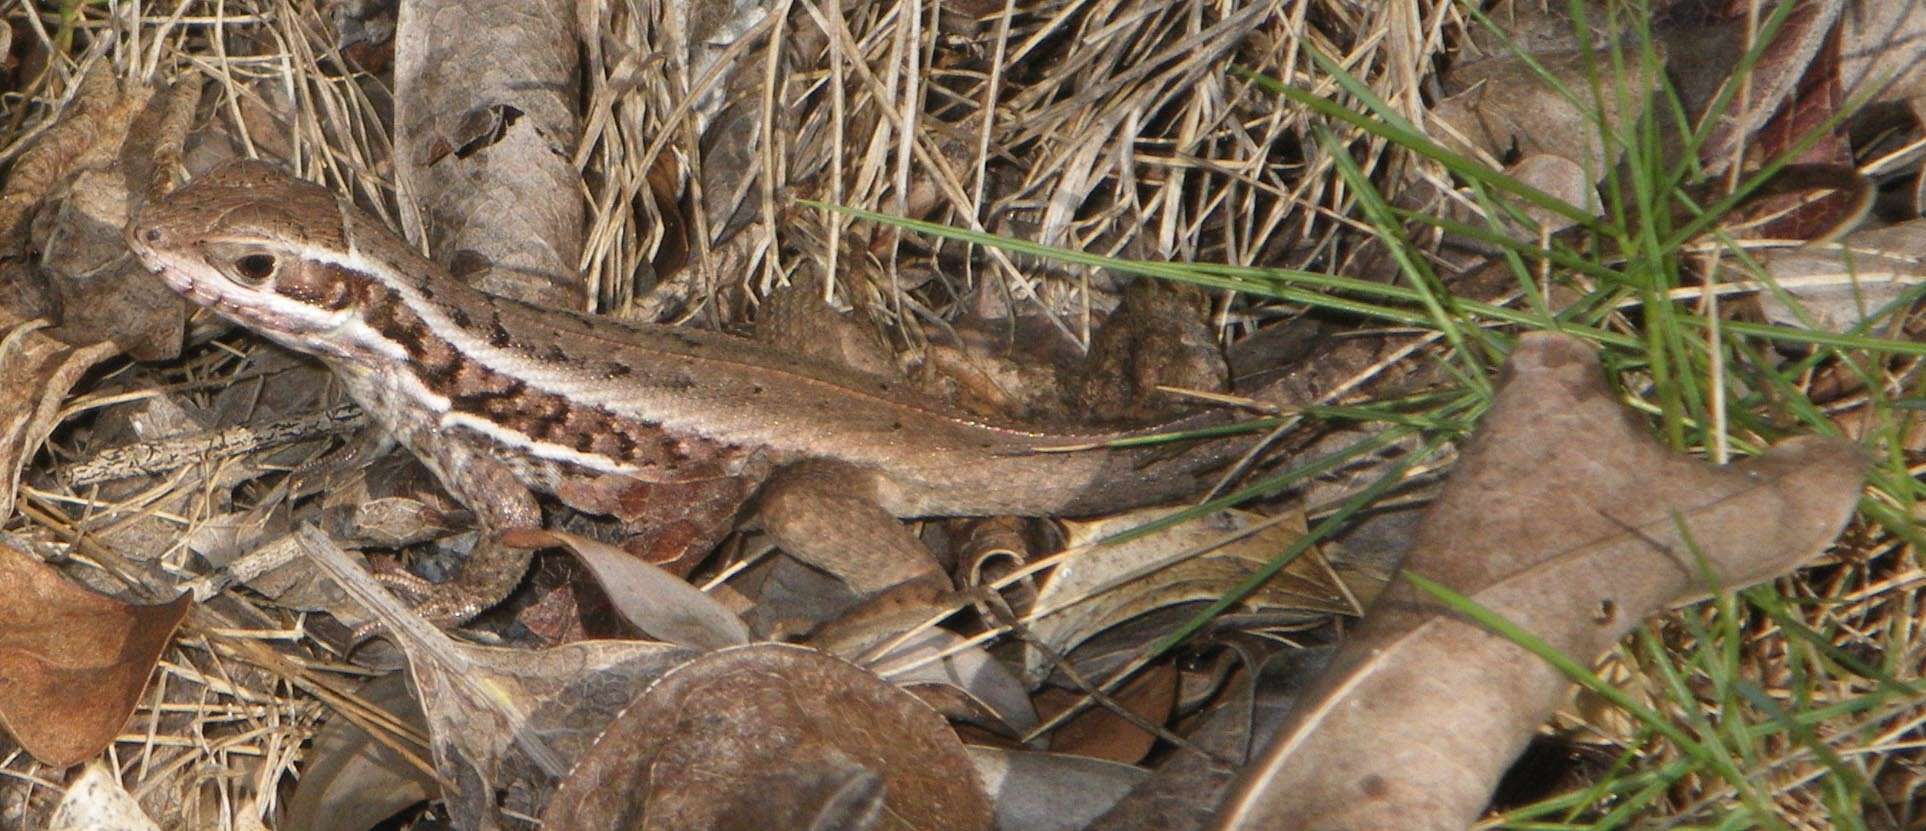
column 771, row 736
column 1101, row 734
column 1050, row 791
column 969, row 669
column 1099, row 586
column 1882, row 42
column 503, row 723
column 1563, row 517
column 1705, row 46
column 72, row 662
column 659, row 603
column 486, row 122
column 1837, row 286
column 39, row 371
column 350, row 781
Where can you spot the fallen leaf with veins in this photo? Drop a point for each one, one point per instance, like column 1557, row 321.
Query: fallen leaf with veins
column 503, row 723
column 72, row 662
column 1563, row 517
column 773, row 736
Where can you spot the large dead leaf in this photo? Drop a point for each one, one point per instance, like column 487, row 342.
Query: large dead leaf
column 1565, row 518
column 486, row 121
column 72, row 662
column 503, row 723
column 772, row 736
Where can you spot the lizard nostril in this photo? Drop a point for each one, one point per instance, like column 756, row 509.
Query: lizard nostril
column 152, row 234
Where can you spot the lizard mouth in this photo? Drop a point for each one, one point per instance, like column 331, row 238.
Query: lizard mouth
column 182, row 281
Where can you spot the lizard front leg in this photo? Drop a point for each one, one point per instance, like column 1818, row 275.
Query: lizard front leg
column 493, row 570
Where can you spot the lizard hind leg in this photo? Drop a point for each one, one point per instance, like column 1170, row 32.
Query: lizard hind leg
column 826, row 514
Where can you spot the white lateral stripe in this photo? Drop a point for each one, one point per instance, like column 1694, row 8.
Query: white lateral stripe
column 541, row 449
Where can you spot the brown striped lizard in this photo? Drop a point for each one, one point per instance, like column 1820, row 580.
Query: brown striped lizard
column 669, row 429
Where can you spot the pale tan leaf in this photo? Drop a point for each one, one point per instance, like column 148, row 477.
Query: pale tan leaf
column 97, row 802
column 1564, row 517
column 659, row 603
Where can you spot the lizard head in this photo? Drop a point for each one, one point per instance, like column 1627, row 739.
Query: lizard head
column 273, row 253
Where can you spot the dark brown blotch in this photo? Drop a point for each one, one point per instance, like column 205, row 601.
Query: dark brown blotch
column 327, row 285
column 392, row 320
column 438, row 365
column 621, row 445
column 497, row 333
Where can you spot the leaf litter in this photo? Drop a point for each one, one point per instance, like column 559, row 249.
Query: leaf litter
column 1116, row 128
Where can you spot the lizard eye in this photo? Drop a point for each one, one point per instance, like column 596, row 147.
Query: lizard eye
column 254, row 269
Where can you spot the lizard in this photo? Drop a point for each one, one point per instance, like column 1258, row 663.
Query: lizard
column 501, row 400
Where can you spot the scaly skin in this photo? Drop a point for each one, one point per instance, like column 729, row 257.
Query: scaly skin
column 499, row 397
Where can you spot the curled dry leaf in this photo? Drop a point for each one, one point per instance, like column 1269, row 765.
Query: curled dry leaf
column 774, row 735
column 1564, row 517
column 1099, row 586
column 659, row 603
column 39, row 371
column 72, row 662
column 502, row 723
